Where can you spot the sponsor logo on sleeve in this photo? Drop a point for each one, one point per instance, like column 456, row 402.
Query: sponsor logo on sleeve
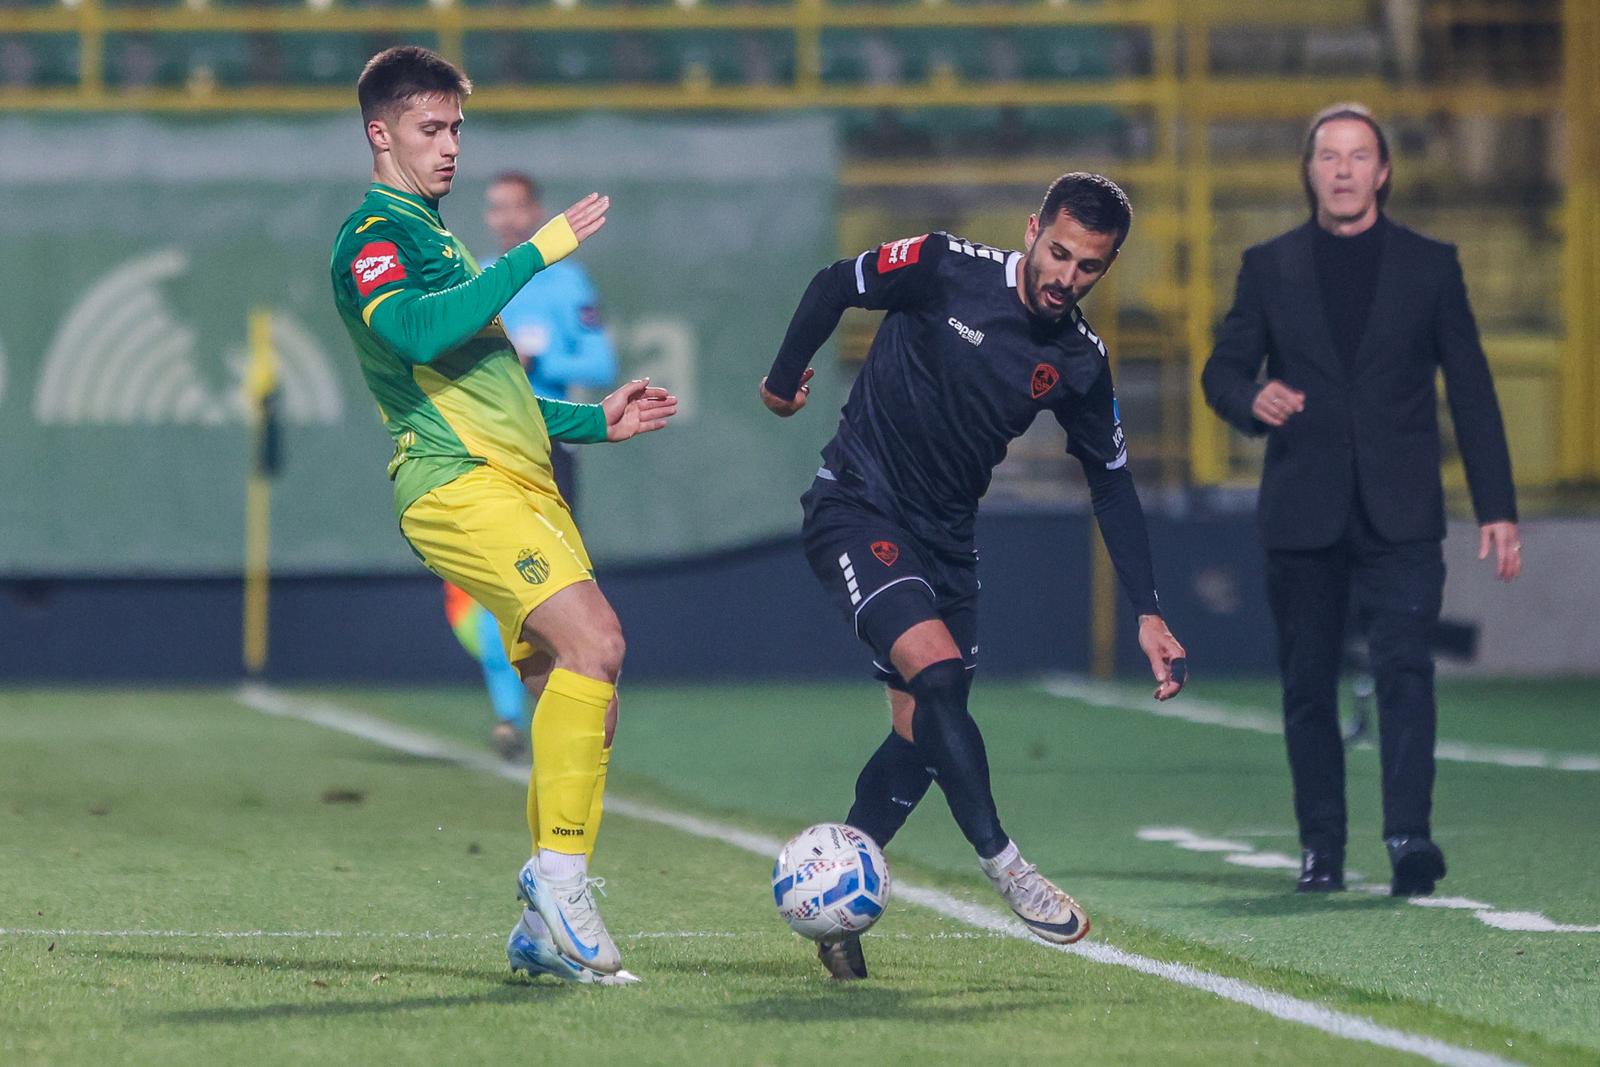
column 376, row 264
column 886, row 551
column 901, row 253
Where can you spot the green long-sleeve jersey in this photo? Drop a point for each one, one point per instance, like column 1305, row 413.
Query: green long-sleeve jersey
column 424, row 320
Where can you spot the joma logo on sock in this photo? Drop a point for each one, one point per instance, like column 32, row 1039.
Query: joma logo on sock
column 563, row 831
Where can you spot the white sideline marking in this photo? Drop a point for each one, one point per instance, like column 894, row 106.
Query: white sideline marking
column 1270, row 861
column 1488, row 914
column 1261, row 721
column 429, row 935
column 1278, row 1005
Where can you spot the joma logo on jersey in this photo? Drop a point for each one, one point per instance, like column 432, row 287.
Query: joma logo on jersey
column 967, row 333
column 533, row 567
column 375, row 264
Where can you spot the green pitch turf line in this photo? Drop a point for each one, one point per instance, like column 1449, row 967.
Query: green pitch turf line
column 1263, row 721
column 1278, row 1005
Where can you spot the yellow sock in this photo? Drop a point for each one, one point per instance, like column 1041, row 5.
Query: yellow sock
column 569, row 733
column 597, row 805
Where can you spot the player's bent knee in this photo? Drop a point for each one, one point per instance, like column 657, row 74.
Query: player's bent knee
column 596, row 654
column 943, row 683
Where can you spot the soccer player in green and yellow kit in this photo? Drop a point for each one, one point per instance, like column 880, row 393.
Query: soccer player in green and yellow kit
column 474, row 490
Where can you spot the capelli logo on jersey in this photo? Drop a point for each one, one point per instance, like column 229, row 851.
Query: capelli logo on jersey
column 968, row 334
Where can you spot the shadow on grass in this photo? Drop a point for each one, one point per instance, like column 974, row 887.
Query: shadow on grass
column 1265, row 883
column 508, row 991
column 364, row 968
column 1285, row 904
column 828, row 1002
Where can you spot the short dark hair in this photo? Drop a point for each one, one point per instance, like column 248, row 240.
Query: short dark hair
column 1094, row 201
column 1360, row 113
column 517, row 177
column 395, row 76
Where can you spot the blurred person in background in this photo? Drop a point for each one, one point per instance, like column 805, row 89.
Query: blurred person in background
column 554, row 322
column 1354, row 315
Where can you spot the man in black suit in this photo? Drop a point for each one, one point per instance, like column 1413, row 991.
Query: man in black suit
column 1353, row 314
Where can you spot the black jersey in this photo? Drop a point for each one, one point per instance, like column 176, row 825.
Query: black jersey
column 959, row 369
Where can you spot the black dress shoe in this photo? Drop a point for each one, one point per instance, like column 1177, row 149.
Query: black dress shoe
column 1321, row 871
column 1417, row 863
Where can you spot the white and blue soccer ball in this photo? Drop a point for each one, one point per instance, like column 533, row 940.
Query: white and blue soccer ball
column 830, row 879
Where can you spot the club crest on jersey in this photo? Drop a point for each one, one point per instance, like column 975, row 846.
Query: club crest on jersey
column 886, row 551
column 1045, row 378
column 376, row 264
column 533, row 567
column 901, row 253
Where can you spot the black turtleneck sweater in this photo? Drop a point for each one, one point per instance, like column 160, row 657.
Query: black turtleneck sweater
column 1347, row 275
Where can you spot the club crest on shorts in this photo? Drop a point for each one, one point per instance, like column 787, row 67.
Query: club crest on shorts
column 886, row 551
column 533, row 567
column 1045, row 378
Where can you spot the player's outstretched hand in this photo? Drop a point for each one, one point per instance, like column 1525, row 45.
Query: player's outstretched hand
column 637, row 407
column 588, row 215
column 784, row 408
column 1167, row 659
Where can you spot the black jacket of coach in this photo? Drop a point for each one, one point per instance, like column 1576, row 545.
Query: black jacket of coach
column 1370, row 428
column 1353, row 316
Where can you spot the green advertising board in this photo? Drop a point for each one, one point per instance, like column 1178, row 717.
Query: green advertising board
column 136, row 248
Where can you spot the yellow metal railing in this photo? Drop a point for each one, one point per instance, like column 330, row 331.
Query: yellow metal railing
column 1180, row 99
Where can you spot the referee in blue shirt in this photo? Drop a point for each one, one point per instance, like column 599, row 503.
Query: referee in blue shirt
column 554, row 322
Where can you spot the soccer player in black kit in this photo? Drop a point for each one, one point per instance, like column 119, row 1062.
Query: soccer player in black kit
column 977, row 342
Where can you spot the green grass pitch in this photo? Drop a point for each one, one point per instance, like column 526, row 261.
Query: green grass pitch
column 186, row 880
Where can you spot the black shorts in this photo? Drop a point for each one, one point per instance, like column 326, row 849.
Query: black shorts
column 884, row 579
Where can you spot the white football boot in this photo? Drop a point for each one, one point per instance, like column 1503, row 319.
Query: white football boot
column 567, row 907
column 531, row 949
column 1050, row 913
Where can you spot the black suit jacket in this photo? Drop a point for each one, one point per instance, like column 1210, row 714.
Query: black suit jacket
column 1374, row 430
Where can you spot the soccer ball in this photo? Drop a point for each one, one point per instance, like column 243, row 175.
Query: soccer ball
column 830, row 879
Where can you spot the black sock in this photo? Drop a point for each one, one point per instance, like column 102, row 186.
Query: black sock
column 890, row 786
column 949, row 740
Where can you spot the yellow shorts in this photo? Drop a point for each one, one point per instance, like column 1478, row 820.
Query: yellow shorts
column 510, row 547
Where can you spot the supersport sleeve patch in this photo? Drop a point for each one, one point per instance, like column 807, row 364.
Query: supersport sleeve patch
column 901, row 253
column 378, row 263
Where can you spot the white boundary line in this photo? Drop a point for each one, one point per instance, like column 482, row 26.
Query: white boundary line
column 1262, row 721
column 430, row 935
column 1244, row 855
column 1278, row 1005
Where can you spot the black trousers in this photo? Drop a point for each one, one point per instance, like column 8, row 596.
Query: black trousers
column 1396, row 589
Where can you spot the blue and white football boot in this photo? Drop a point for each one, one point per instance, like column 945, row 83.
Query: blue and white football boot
column 530, row 949
column 571, row 919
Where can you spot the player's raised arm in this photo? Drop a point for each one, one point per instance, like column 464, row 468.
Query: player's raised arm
column 421, row 325
column 893, row 275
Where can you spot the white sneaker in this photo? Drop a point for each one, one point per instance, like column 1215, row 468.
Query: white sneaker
column 1050, row 913
column 531, row 949
column 567, row 907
